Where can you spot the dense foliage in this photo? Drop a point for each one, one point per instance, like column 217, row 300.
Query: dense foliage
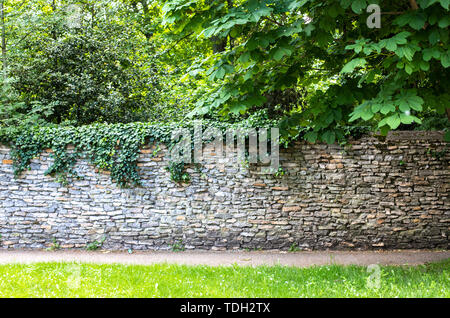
column 109, row 147
column 392, row 76
column 76, row 63
column 85, row 78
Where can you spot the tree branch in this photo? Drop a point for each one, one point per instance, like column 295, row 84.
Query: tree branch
column 413, row 4
column 393, row 12
column 175, row 44
column 272, row 19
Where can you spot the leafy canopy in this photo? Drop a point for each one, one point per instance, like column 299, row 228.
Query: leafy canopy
column 388, row 78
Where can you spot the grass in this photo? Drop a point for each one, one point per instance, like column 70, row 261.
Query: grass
column 164, row 280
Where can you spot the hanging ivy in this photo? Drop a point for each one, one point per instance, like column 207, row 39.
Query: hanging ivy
column 109, row 147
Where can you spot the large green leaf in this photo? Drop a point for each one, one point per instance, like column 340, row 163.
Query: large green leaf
column 281, row 52
column 359, row 5
column 350, row 66
column 393, row 121
column 329, row 137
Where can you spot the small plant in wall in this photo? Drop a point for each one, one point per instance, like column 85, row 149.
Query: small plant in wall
column 279, row 173
column 437, row 154
column 294, row 248
column 245, row 163
column 178, row 172
column 95, row 245
column 55, row 245
column 177, row 247
column 155, row 152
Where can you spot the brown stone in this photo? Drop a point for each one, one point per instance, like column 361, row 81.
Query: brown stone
column 280, row 188
column 260, row 185
column 291, row 208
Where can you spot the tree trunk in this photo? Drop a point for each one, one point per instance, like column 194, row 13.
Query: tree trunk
column 413, row 4
column 4, row 57
column 230, row 5
column 219, row 45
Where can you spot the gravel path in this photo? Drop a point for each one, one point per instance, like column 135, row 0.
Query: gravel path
column 301, row 259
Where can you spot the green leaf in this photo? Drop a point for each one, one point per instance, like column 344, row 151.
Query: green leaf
column 406, row 119
column 311, row 136
column 367, row 114
column 236, row 108
column 245, row 57
column 434, row 37
column 447, row 136
column 404, row 107
column 405, row 51
column 416, row 102
column 359, row 5
column 409, row 119
column 376, row 107
column 445, row 59
column 350, row 66
column 404, row 19
column 387, row 108
column 281, row 52
column 393, row 121
column 424, row 66
column 220, row 73
column 409, row 101
column 398, row 39
column 430, row 53
column 329, row 137
column 357, row 47
column 408, row 69
column 418, row 21
column 391, row 44
column 346, row 3
column 444, row 22
column 384, row 130
column 445, row 4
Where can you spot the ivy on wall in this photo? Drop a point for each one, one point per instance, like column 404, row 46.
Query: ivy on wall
column 113, row 147
column 110, row 147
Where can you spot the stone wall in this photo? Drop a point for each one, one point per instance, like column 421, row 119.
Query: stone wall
column 375, row 193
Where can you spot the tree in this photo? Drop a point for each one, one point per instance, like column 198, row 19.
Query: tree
column 87, row 70
column 386, row 78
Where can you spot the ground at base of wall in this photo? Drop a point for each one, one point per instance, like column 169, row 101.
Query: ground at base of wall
column 249, row 258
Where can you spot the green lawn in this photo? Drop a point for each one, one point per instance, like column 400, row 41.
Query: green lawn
column 163, row 280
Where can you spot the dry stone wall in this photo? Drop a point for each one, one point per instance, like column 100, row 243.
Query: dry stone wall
column 373, row 193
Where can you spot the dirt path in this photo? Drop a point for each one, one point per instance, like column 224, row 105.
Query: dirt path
column 302, row 259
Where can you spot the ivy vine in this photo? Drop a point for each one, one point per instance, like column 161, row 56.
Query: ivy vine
column 109, row 147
